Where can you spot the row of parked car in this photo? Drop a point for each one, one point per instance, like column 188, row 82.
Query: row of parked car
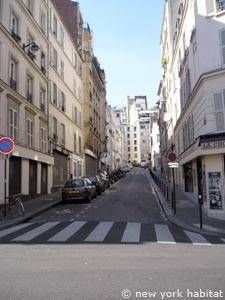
column 88, row 187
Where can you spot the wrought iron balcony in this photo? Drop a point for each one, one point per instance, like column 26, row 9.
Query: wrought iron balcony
column 42, row 107
column 29, row 97
column 220, row 5
column 13, row 83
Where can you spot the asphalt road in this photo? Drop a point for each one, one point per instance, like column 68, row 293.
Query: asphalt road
column 120, row 241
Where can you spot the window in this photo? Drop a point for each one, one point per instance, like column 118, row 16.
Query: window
column 219, row 99
column 29, row 88
column 54, row 94
column 55, row 131
column 54, row 58
column 30, row 5
column 62, row 69
column 80, row 145
column 14, row 24
column 75, row 142
column 43, row 139
column 61, row 36
column 29, row 131
column 75, row 114
column 214, row 6
column 43, row 21
column 13, row 123
column 43, row 63
column 222, row 44
column 128, row 129
column 42, row 99
column 135, row 128
column 74, row 87
column 220, row 5
column 63, row 102
column 128, row 149
column 135, row 148
column 13, row 74
column 135, row 142
column 128, row 135
column 135, row 135
column 63, row 134
column 54, row 27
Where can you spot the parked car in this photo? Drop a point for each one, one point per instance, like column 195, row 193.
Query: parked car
column 78, row 189
column 99, row 184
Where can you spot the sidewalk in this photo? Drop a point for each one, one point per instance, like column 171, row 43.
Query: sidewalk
column 33, row 207
column 187, row 212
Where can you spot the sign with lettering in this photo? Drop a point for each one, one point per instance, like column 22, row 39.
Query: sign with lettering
column 212, row 145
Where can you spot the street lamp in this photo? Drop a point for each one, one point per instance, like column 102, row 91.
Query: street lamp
column 33, row 46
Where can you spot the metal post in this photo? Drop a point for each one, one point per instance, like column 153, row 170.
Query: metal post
column 174, row 193
column 200, row 202
column 5, row 187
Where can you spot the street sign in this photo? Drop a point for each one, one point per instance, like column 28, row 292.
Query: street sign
column 172, row 156
column 173, row 165
column 6, row 145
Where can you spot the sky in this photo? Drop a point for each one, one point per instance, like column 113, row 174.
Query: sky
column 127, row 45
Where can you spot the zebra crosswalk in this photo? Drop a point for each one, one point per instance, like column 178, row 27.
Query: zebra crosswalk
column 102, row 232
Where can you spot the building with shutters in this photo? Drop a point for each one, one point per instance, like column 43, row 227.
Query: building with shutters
column 95, row 106
column 24, row 96
column 192, row 98
column 66, row 94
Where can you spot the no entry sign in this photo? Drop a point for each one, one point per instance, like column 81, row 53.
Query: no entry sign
column 172, row 156
column 6, row 145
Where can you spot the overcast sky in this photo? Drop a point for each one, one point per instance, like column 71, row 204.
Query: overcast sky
column 126, row 42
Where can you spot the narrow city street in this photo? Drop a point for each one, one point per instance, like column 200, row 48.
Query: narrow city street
column 127, row 212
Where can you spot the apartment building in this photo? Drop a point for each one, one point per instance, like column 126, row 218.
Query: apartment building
column 155, row 140
column 116, row 139
column 192, row 97
column 138, row 130
column 94, row 107
column 66, row 98
column 24, row 96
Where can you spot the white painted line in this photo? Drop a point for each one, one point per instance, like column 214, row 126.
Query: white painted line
column 223, row 240
column 196, row 238
column 163, row 234
column 100, row 232
column 132, row 233
column 67, row 232
column 13, row 229
column 28, row 236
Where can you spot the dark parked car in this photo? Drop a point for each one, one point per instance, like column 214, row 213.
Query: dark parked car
column 96, row 180
column 78, row 189
column 105, row 179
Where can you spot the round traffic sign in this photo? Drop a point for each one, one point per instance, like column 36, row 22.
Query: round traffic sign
column 172, row 156
column 6, row 145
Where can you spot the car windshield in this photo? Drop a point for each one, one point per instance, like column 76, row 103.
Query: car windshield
column 74, row 183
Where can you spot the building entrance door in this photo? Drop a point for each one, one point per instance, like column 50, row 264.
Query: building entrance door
column 188, row 177
column 14, row 175
column 44, row 178
column 32, row 177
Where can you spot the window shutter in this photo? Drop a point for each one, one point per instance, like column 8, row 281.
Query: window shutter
column 219, row 111
column 50, row 124
column 222, row 42
column 210, row 6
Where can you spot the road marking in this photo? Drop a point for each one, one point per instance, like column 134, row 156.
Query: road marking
column 35, row 232
column 67, row 232
column 100, row 232
column 196, row 238
column 132, row 233
column 163, row 234
column 13, row 229
column 223, row 240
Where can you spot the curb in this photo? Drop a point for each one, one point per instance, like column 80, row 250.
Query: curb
column 175, row 221
column 29, row 215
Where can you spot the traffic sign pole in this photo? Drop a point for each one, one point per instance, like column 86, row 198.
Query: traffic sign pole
column 6, row 147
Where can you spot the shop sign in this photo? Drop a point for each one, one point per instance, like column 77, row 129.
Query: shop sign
column 173, row 165
column 214, row 190
column 212, row 145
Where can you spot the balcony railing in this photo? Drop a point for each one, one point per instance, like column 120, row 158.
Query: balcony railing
column 13, row 83
column 29, row 97
column 16, row 37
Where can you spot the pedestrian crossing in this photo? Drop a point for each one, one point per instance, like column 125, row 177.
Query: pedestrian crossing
column 102, row 232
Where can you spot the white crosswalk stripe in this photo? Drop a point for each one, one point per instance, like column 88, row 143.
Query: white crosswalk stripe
column 28, row 236
column 132, row 233
column 100, row 232
column 13, row 229
column 67, row 232
column 196, row 238
column 163, row 234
